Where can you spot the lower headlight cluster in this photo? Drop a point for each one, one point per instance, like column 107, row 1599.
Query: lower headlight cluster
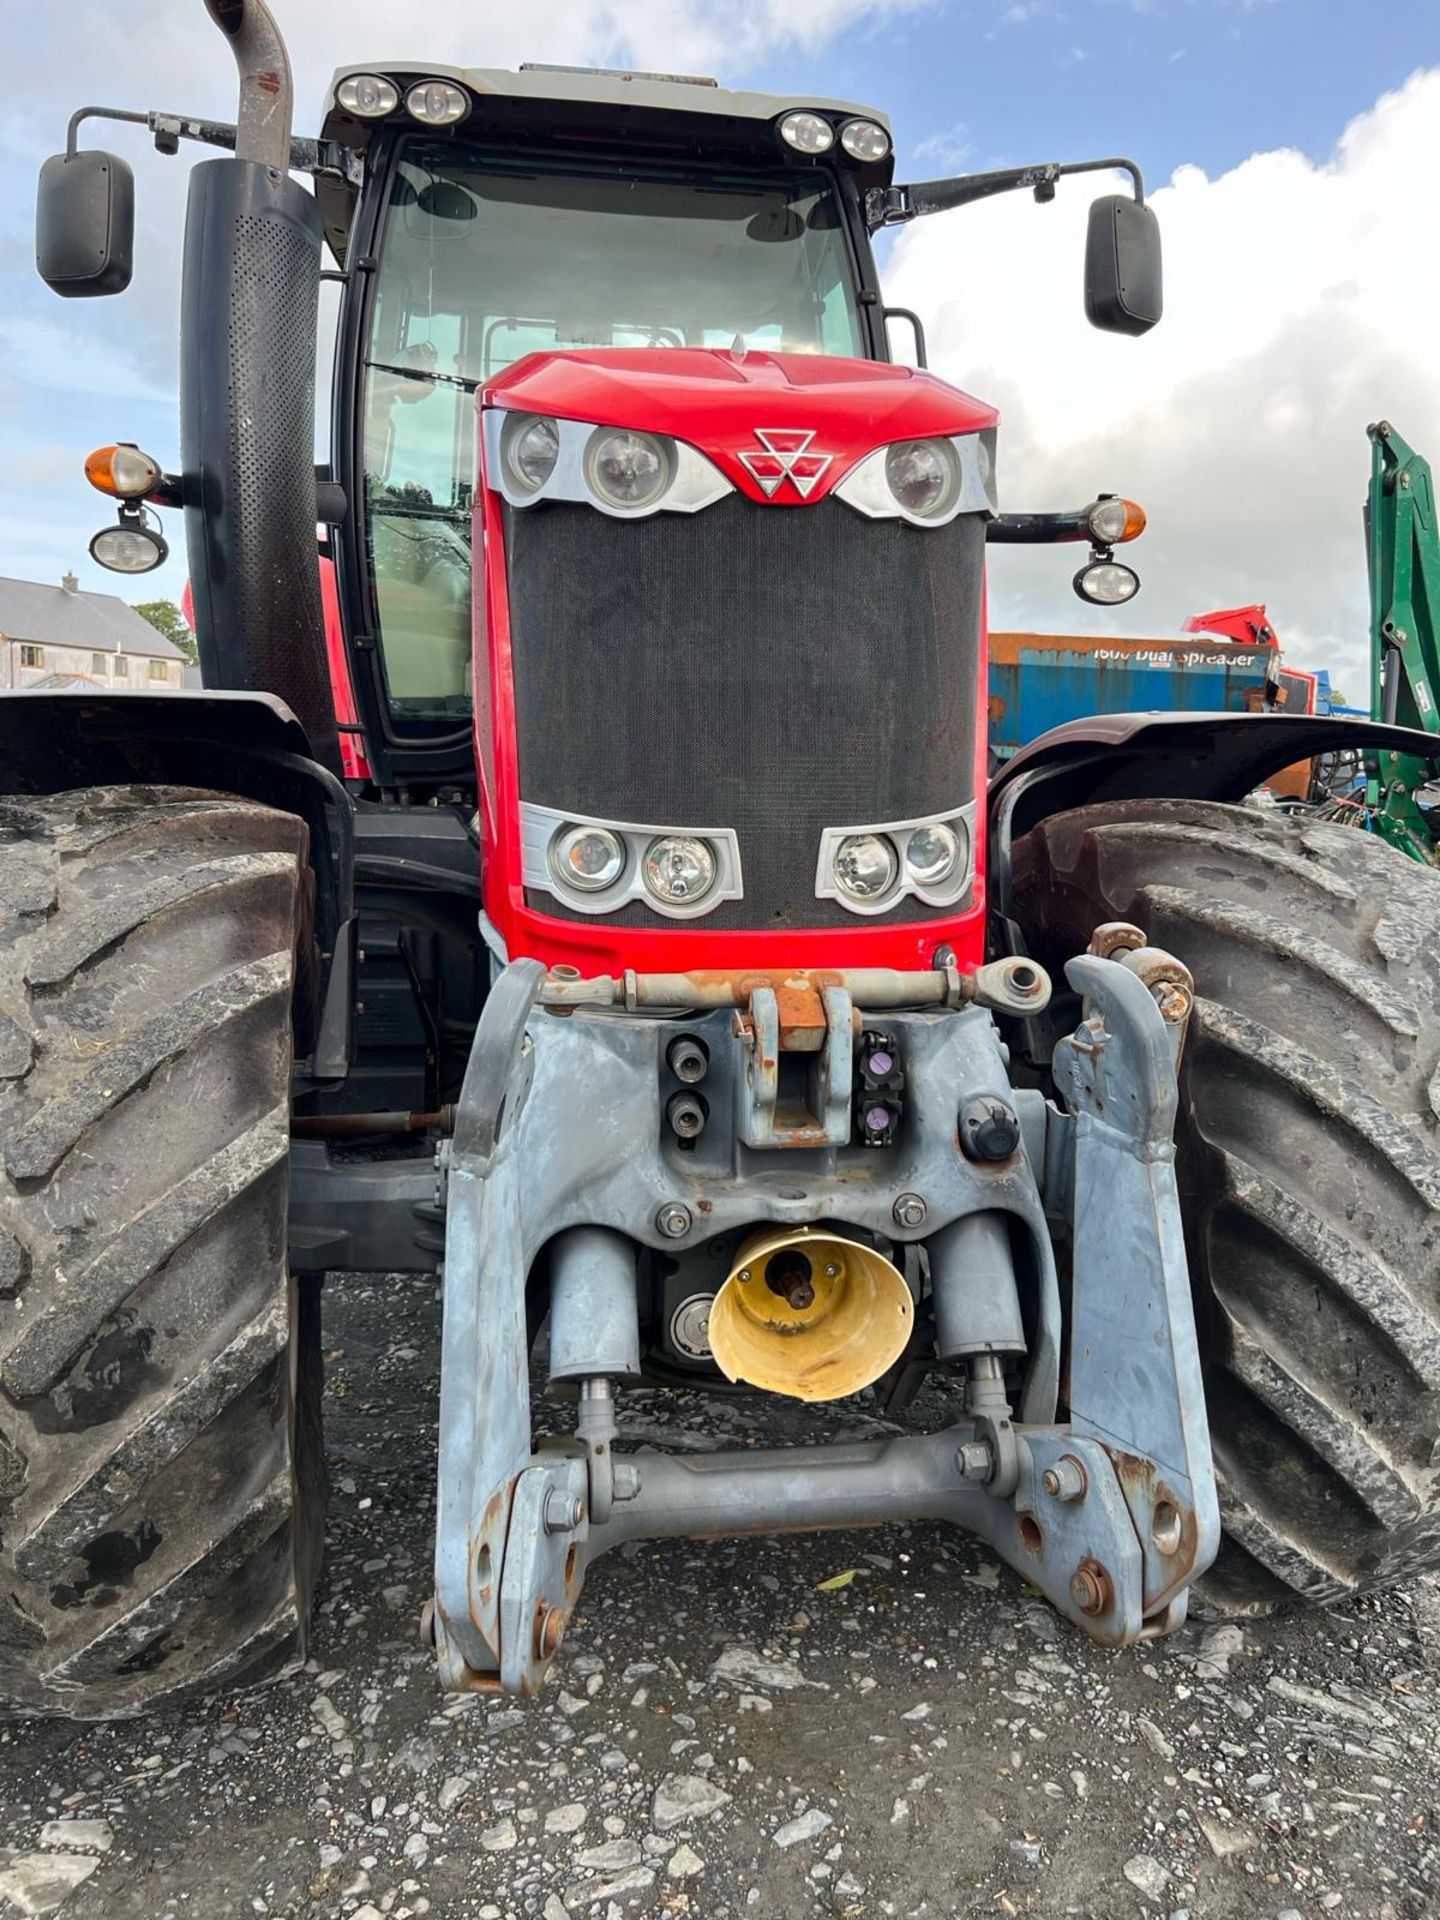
column 597, row 866
column 869, row 869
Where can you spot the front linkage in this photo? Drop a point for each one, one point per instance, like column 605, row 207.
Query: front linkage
column 562, row 1143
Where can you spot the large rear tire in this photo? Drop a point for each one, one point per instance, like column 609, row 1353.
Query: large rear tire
column 161, row 1476
column 1309, row 1166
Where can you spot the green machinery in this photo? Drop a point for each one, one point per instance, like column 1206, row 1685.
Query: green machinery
column 1403, row 550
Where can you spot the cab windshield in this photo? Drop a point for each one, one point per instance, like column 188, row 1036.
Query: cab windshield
column 479, row 266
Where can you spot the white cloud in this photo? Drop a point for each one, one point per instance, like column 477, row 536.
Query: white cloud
column 1301, row 304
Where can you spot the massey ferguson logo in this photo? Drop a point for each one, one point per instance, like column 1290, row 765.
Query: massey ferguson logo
column 784, row 454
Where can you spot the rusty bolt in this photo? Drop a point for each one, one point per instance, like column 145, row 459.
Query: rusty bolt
column 1090, row 1587
column 673, row 1220
column 563, row 1511
column 1173, row 1002
column 549, row 1631
column 909, row 1210
column 1065, row 1480
column 975, row 1460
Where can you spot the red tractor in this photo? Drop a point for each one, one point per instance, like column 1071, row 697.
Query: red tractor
column 664, row 974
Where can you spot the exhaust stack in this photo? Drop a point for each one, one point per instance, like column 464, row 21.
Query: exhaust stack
column 249, row 314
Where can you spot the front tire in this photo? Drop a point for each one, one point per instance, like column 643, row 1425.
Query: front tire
column 1308, row 1165
column 161, row 1478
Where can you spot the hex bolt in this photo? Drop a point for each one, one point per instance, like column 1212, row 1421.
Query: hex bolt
column 1065, row 1480
column 563, row 1511
column 989, row 1129
column 1173, row 1001
column 687, row 1059
column 673, row 1220
column 975, row 1460
column 685, row 1114
column 1090, row 1587
column 909, row 1210
column 549, row 1631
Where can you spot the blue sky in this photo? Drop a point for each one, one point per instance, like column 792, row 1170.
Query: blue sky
column 1177, row 84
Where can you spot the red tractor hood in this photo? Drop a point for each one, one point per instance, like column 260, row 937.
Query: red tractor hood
column 809, row 407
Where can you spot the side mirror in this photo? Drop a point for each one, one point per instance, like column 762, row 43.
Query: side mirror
column 1122, row 266
column 85, row 223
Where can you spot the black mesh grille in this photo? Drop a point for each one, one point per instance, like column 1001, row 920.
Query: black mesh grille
column 775, row 670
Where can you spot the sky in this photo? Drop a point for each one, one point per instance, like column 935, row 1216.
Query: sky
column 1291, row 148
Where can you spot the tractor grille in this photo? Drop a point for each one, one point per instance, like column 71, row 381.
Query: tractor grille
column 774, row 670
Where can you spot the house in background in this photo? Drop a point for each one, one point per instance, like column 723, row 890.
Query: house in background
column 61, row 637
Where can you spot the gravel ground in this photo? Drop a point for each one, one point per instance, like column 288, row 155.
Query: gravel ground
column 731, row 1731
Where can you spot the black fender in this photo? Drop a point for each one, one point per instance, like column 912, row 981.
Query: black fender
column 242, row 743
column 1170, row 756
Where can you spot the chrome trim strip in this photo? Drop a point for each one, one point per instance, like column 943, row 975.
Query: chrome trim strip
column 694, row 481
column 867, row 490
column 539, row 825
column 899, row 832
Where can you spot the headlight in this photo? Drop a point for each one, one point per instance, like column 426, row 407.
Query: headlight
column 679, row 869
column 587, row 857
column 927, row 482
column 530, row 448
column 871, row 870
column 924, row 476
column 864, row 140
column 933, row 852
column 629, row 471
column 369, row 96
column 1105, row 583
column 865, row 866
column 437, row 103
column 807, row 132
column 129, row 549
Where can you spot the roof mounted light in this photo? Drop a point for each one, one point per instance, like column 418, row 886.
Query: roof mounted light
column 437, row 103
column 865, row 140
column 369, row 96
column 808, row 133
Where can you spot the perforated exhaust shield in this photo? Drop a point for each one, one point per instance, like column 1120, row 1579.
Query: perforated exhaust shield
column 776, row 670
column 247, row 408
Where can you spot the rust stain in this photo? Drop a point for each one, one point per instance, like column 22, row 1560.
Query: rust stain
column 742, row 981
column 801, row 1015
column 269, row 82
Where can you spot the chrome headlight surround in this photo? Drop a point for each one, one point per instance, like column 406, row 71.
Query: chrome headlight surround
column 867, row 486
column 947, row 893
column 542, row 828
column 692, row 482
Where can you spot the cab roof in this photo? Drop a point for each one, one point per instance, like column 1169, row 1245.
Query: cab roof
column 579, row 111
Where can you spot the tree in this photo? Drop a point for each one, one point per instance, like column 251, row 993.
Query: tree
column 167, row 619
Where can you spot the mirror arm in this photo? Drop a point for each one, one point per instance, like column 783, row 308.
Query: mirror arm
column 893, row 206
column 170, row 129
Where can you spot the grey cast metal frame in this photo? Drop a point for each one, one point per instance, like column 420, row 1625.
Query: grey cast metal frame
column 559, row 1126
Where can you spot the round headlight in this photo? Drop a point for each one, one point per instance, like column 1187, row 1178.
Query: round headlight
column 590, row 858
column 530, row 448
column 369, row 96
column 864, row 140
column 1105, row 583
column 865, row 866
column 437, row 103
column 934, row 853
column 129, row 549
column 807, row 133
column 626, row 470
column 923, row 476
column 679, row 869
